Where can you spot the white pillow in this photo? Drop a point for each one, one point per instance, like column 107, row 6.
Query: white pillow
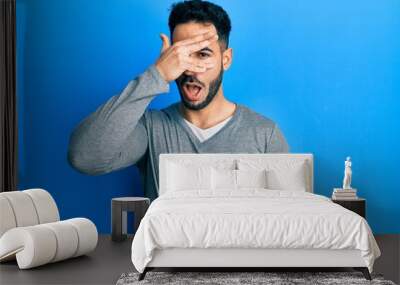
column 237, row 179
column 182, row 177
column 292, row 179
column 281, row 174
column 289, row 178
column 251, row 178
column 223, row 179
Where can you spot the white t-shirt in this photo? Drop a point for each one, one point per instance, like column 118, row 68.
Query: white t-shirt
column 204, row 134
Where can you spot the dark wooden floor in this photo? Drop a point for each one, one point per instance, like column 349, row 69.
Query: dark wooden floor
column 110, row 260
column 389, row 262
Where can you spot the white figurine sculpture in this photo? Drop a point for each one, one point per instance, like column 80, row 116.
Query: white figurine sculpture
column 347, row 174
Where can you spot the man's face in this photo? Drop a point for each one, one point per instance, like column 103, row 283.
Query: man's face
column 210, row 80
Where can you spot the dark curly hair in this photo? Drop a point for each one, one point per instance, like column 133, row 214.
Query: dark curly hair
column 201, row 12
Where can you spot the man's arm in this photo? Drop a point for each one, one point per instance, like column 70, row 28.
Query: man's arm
column 115, row 136
column 277, row 142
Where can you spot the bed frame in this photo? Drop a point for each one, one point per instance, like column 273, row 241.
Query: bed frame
column 246, row 258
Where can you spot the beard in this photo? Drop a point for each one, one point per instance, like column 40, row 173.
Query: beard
column 212, row 90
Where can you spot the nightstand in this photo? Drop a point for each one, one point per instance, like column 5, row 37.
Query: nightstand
column 356, row 205
column 119, row 208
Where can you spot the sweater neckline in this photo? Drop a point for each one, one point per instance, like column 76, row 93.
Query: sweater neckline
column 194, row 138
column 210, row 128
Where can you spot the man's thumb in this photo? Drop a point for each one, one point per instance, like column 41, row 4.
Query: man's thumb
column 165, row 42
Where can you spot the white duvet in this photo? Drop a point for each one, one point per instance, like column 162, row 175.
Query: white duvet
column 251, row 218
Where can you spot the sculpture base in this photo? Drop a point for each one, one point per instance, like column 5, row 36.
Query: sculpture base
column 344, row 194
column 344, row 190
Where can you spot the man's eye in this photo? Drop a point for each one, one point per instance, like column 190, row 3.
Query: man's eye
column 203, row 54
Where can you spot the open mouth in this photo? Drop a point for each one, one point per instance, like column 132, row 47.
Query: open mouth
column 192, row 91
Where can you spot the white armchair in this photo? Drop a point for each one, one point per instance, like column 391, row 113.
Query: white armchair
column 31, row 231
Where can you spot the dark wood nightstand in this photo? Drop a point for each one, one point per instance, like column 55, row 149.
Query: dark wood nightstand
column 119, row 208
column 356, row 205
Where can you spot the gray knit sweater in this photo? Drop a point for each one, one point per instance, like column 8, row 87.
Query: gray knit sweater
column 123, row 132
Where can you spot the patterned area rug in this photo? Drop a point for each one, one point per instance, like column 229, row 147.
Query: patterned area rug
column 269, row 278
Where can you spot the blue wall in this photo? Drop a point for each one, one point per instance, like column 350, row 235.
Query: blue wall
column 327, row 72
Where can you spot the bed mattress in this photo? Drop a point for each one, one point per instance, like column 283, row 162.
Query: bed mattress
column 250, row 219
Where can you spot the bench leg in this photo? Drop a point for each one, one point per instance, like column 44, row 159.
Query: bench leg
column 364, row 271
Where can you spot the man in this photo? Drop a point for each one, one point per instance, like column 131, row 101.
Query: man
column 122, row 132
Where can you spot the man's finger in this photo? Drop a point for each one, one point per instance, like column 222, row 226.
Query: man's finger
column 194, row 68
column 199, row 45
column 197, row 68
column 197, row 38
column 207, row 62
column 165, row 42
column 198, row 65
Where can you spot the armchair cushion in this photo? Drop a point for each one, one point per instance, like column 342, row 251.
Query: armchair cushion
column 45, row 243
column 30, row 230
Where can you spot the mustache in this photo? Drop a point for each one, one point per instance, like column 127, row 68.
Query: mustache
column 185, row 79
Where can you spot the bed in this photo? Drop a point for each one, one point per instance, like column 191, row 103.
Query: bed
column 247, row 210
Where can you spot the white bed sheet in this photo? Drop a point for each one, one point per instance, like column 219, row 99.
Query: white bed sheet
column 250, row 218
